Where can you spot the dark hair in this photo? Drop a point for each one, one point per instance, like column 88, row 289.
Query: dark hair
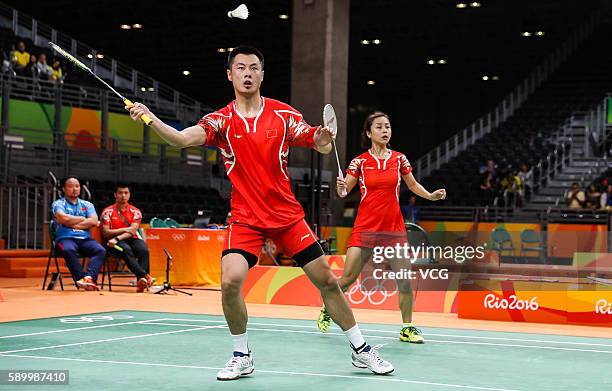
column 367, row 124
column 64, row 180
column 248, row 50
column 121, row 185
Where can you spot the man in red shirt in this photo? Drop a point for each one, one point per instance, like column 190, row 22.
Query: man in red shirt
column 120, row 223
column 254, row 134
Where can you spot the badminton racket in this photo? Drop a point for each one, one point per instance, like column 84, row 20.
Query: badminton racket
column 330, row 121
column 144, row 118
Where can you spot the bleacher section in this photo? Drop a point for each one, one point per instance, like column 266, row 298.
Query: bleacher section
column 529, row 136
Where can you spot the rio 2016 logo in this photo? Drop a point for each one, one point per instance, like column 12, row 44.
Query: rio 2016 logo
column 511, row 303
column 603, row 307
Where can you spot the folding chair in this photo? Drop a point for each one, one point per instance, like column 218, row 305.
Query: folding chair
column 502, row 241
column 52, row 254
column 120, row 268
column 531, row 241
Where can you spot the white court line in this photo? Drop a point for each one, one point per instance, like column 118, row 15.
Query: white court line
column 111, row 339
column 500, row 338
column 428, row 340
column 78, row 328
column 221, row 326
column 394, row 332
column 313, row 374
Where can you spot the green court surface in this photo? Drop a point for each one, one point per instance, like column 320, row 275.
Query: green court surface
column 131, row 350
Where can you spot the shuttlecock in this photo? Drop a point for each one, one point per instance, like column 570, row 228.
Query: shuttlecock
column 242, row 12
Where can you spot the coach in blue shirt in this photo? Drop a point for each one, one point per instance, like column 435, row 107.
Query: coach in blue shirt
column 73, row 218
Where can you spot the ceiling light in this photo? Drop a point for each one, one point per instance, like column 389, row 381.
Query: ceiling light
column 495, row 78
column 99, row 55
column 442, row 61
column 151, row 89
column 474, row 4
column 461, row 5
column 137, row 26
column 485, row 78
column 371, row 82
column 431, row 62
column 186, row 73
column 365, row 42
column 221, row 50
column 539, row 33
column 283, row 16
column 526, row 34
column 143, row 89
column 125, row 27
column 376, row 42
column 90, row 55
column 230, row 49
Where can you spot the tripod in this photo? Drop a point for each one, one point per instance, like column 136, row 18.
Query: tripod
column 167, row 287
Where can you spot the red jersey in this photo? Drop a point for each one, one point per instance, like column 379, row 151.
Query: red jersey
column 255, row 152
column 111, row 218
column 379, row 182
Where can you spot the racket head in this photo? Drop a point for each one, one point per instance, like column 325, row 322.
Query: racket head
column 329, row 118
column 69, row 57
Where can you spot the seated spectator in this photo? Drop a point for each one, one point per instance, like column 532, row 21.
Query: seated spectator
column 31, row 69
column 593, row 197
column 490, row 167
column 44, row 70
column 526, row 176
column 411, row 211
column 606, row 199
column 56, row 71
column 511, row 186
column 603, row 186
column 74, row 218
column 20, row 59
column 487, row 192
column 120, row 223
column 575, row 197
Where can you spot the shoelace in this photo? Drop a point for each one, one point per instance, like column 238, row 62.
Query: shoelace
column 236, row 361
column 374, row 352
column 414, row 330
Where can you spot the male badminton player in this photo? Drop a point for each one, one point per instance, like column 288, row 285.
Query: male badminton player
column 253, row 134
column 379, row 221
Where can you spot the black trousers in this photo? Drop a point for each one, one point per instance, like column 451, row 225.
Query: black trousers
column 135, row 254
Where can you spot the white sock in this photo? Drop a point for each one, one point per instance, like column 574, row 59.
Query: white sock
column 355, row 338
column 240, row 342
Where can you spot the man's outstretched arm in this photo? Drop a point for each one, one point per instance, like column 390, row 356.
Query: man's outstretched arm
column 189, row 137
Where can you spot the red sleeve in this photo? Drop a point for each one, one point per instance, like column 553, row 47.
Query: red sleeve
column 106, row 217
column 136, row 215
column 213, row 124
column 405, row 166
column 354, row 168
column 299, row 133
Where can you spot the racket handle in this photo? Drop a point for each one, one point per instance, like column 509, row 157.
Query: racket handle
column 118, row 248
column 144, row 118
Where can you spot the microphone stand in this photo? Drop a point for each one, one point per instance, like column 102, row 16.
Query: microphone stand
column 167, row 286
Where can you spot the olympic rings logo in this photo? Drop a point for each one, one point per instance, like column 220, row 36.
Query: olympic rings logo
column 178, row 237
column 376, row 295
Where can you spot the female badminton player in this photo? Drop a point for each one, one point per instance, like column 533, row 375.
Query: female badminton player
column 379, row 221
